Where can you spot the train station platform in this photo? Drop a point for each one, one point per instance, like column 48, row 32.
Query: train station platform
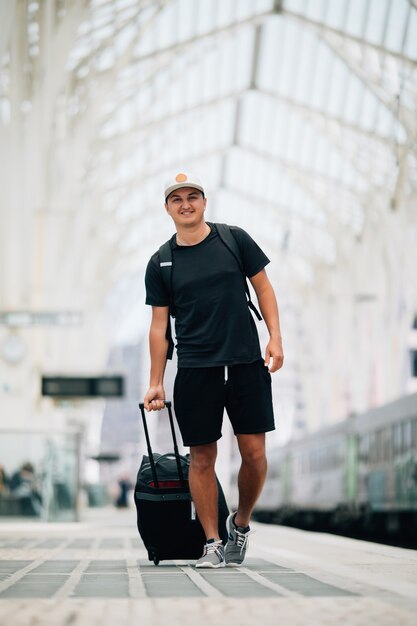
column 97, row 572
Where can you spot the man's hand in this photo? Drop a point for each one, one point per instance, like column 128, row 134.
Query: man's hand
column 274, row 351
column 155, row 398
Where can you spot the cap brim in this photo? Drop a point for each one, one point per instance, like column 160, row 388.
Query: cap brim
column 169, row 190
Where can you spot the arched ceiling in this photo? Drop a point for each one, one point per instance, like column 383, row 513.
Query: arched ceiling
column 297, row 110
column 298, row 115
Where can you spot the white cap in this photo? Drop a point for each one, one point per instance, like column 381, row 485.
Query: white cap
column 182, row 179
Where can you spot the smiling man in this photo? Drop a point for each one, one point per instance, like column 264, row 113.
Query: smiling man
column 219, row 357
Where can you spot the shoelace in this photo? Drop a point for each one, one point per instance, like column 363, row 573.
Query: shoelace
column 242, row 539
column 213, row 547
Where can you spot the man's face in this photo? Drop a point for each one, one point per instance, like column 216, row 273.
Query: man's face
column 186, row 206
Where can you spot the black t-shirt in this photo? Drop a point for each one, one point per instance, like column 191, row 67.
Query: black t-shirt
column 213, row 323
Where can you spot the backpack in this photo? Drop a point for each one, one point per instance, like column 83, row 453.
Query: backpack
column 165, row 265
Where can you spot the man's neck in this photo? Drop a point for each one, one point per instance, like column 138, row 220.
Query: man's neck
column 192, row 235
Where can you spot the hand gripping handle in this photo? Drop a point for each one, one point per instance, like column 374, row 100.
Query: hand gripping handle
column 174, row 439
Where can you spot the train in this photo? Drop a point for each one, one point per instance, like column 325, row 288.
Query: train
column 359, row 474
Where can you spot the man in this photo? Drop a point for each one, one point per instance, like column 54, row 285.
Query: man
column 219, row 358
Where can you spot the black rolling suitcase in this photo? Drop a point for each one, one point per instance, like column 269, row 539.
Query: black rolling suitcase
column 166, row 518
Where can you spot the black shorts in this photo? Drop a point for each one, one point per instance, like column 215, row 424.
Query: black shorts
column 201, row 394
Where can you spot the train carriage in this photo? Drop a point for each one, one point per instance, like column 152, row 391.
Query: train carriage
column 362, row 472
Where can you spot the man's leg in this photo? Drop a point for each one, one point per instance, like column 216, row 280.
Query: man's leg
column 250, row 482
column 203, row 486
column 249, row 406
column 252, row 475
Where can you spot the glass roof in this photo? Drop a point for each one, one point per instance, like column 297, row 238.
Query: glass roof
column 298, row 112
column 298, row 115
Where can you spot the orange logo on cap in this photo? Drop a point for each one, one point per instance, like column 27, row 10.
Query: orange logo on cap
column 181, row 178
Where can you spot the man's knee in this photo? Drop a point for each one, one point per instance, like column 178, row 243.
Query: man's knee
column 254, row 456
column 203, row 458
column 252, row 449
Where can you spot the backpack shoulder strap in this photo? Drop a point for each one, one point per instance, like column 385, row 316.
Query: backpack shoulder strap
column 226, row 235
column 165, row 265
column 165, row 268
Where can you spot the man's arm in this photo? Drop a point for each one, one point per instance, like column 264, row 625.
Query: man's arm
column 158, row 346
column 269, row 309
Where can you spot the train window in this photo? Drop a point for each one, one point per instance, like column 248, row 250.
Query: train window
column 396, row 438
column 406, row 435
column 372, row 448
column 414, row 433
column 340, row 455
column 378, row 452
column 386, row 444
column 364, row 448
column 335, row 454
column 380, row 445
column 413, row 363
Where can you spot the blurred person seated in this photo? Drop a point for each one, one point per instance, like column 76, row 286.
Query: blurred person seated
column 24, row 486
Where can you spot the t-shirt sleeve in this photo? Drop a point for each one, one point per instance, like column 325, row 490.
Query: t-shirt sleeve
column 156, row 292
column 253, row 257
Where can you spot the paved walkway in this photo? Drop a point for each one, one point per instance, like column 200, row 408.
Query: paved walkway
column 96, row 572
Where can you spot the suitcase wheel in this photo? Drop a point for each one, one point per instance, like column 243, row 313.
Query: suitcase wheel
column 152, row 556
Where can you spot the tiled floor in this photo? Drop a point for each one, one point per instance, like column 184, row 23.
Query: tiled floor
column 117, row 578
column 80, row 573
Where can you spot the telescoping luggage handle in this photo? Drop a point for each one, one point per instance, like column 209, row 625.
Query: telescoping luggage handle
column 148, row 445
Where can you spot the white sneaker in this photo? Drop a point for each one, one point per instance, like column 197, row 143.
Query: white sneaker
column 213, row 555
column 237, row 542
